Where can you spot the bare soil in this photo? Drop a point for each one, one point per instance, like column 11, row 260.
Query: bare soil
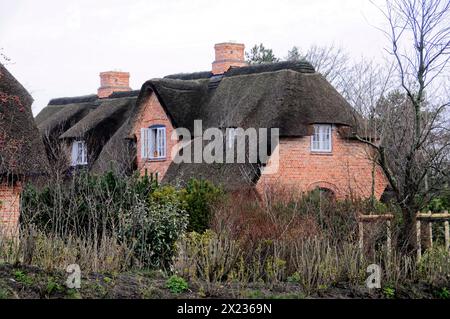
column 26, row 282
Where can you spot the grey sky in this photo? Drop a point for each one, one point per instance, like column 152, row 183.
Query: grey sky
column 58, row 48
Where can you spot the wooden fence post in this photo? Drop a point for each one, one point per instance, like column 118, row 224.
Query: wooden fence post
column 419, row 244
column 388, row 240
column 447, row 233
column 430, row 232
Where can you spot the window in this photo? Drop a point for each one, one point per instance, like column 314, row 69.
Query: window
column 323, row 194
column 79, row 153
column 321, row 139
column 153, row 142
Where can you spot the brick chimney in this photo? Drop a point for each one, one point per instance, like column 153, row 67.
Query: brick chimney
column 113, row 81
column 228, row 54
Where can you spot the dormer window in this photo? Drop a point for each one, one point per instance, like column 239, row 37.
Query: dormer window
column 79, row 153
column 153, row 142
column 321, row 138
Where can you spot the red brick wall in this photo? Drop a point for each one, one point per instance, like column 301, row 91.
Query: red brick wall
column 9, row 208
column 347, row 170
column 226, row 55
column 152, row 113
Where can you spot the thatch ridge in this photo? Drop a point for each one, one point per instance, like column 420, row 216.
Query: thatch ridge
column 190, row 76
column 115, row 95
column 298, row 66
column 73, row 100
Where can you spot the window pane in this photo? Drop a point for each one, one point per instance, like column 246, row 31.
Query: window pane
column 327, row 144
column 157, row 141
column 163, row 141
column 321, row 139
column 160, row 146
column 79, row 153
column 84, row 152
column 152, row 143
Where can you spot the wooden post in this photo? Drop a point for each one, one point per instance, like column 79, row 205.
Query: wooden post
column 447, row 233
column 388, row 241
column 361, row 236
column 447, row 239
column 419, row 244
column 430, row 233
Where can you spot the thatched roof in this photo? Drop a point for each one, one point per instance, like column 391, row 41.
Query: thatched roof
column 118, row 154
column 98, row 121
column 290, row 96
column 21, row 148
column 181, row 99
column 62, row 117
column 73, row 100
column 229, row 176
column 285, row 99
column 287, row 95
column 190, row 76
column 111, row 112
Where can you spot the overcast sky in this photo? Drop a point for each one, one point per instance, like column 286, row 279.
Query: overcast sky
column 57, row 48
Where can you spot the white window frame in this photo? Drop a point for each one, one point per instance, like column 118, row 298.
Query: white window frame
column 322, row 138
column 153, row 142
column 79, row 153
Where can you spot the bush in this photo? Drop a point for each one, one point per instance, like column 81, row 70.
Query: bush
column 100, row 210
column 176, row 285
column 434, row 266
column 206, row 256
column 199, row 197
column 153, row 231
column 211, row 259
column 85, row 205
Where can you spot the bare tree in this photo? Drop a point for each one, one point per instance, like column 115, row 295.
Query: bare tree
column 364, row 84
column 415, row 143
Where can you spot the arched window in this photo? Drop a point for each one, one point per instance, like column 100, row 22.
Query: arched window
column 326, row 193
column 322, row 195
column 153, row 142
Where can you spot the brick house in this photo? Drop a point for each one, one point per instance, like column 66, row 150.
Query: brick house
column 316, row 148
column 22, row 153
